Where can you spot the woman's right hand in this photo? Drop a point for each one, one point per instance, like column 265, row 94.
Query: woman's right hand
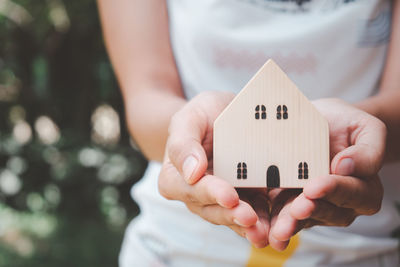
column 185, row 176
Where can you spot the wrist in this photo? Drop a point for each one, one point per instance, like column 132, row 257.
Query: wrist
column 371, row 105
column 148, row 114
column 385, row 106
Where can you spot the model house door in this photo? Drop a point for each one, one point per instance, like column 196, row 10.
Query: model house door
column 273, row 179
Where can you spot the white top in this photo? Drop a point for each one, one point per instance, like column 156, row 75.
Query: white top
column 329, row 48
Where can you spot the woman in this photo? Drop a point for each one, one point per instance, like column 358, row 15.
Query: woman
column 165, row 53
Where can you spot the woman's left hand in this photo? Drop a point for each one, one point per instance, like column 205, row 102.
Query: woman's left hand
column 357, row 144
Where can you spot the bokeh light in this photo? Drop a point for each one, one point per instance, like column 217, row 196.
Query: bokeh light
column 47, row 130
column 10, row 183
column 22, row 132
column 91, row 157
column 105, row 125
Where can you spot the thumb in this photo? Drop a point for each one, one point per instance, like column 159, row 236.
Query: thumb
column 363, row 158
column 184, row 148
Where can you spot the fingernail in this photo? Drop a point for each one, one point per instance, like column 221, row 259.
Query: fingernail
column 189, row 165
column 238, row 223
column 345, row 167
column 262, row 245
column 276, row 243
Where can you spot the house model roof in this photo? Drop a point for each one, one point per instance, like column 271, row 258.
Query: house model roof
column 270, row 135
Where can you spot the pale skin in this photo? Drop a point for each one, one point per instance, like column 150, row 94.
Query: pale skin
column 172, row 130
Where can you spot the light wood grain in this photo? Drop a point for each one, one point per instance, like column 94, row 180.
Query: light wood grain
column 240, row 137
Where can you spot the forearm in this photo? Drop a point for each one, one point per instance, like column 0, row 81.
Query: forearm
column 137, row 38
column 386, row 104
column 148, row 116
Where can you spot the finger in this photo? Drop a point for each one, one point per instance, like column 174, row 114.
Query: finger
column 260, row 204
column 277, row 244
column 304, row 224
column 365, row 155
column 242, row 215
column 213, row 190
column 258, row 239
column 190, row 133
column 258, row 199
column 364, row 196
column 241, row 231
column 184, row 148
column 209, row 190
column 257, row 235
column 303, row 208
column 284, row 225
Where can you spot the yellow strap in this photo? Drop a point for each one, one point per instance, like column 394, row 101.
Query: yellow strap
column 268, row 257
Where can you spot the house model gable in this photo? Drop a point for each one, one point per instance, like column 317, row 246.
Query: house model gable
column 270, row 135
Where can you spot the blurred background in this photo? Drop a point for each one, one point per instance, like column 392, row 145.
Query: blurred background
column 66, row 162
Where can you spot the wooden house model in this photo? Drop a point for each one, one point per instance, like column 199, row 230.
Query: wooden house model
column 270, row 135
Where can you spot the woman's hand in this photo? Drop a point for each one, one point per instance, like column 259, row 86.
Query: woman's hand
column 357, row 143
column 185, row 176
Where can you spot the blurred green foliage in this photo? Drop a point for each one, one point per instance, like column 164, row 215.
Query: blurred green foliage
column 65, row 201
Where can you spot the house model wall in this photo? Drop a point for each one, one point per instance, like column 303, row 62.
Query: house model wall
column 270, row 135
